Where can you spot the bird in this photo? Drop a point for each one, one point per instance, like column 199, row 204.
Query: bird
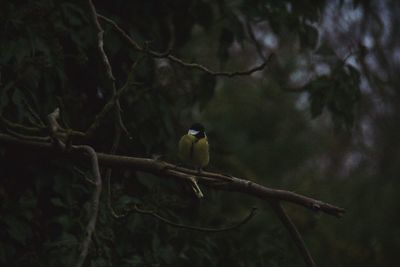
column 194, row 148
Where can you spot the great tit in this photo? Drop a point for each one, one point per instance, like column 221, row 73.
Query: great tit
column 193, row 147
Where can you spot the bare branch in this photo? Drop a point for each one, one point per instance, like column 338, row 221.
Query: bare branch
column 54, row 128
column 175, row 59
column 113, row 103
column 109, row 195
column 32, row 133
column 107, row 65
column 22, row 128
column 254, row 40
column 196, row 228
column 117, row 137
column 109, row 173
column 106, row 109
column 164, row 169
column 52, row 119
column 83, row 174
column 100, row 41
column 90, row 153
column 294, row 233
column 29, row 137
column 62, row 112
column 94, row 210
column 38, row 121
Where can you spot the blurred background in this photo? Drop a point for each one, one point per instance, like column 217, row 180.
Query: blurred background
column 322, row 119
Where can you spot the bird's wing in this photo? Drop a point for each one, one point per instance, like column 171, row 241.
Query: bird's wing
column 186, row 147
column 201, row 155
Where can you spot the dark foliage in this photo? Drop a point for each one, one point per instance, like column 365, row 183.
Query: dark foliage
column 49, row 59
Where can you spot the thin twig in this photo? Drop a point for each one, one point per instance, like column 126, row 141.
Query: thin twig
column 294, row 233
column 52, row 120
column 36, row 131
column 106, row 109
column 114, row 102
column 94, row 210
column 38, row 123
column 195, row 228
column 83, row 174
column 62, row 112
column 113, row 149
column 54, row 128
column 109, row 195
column 107, row 65
column 22, row 128
column 253, row 38
column 29, row 137
column 179, row 61
column 100, row 41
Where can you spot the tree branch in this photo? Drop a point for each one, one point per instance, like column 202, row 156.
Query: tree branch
column 294, row 233
column 179, row 61
column 54, row 127
column 22, row 128
column 196, row 228
column 100, row 41
column 94, row 203
column 106, row 63
column 28, row 137
column 253, row 39
column 109, row 173
column 164, row 169
column 112, row 103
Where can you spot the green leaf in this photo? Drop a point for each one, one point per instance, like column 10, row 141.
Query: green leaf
column 18, row 229
column 134, row 261
column 39, row 45
column 57, row 202
column 125, row 200
column 99, row 262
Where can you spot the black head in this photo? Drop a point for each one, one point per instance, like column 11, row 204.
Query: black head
column 197, row 129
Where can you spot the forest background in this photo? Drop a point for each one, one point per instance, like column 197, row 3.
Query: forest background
column 295, row 95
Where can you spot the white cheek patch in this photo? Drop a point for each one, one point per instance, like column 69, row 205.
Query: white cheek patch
column 193, row 132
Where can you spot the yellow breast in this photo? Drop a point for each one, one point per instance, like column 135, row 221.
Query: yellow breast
column 194, row 151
